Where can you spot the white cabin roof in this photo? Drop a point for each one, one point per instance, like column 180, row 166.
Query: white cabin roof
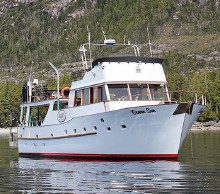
column 126, row 69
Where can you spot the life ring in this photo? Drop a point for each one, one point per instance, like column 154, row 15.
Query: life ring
column 65, row 92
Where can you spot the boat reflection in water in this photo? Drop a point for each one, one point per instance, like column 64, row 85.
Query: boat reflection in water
column 97, row 176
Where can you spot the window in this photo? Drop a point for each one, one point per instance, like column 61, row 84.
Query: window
column 95, row 95
column 101, row 94
column 139, row 92
column 91, row 95
column 23, row 115
column 37, row 115
column 82, row 97
column 86, row 96
column 158, row 92
column 77, row 101
column 63, row 105
column 118, row 91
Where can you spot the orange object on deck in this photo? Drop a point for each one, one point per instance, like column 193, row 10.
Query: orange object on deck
column 65, row 92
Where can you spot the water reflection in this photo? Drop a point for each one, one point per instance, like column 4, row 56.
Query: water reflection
column 197, row 170
column 76, row 176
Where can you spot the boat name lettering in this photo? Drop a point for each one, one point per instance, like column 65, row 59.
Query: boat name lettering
column 147, row 110
column 61, row 116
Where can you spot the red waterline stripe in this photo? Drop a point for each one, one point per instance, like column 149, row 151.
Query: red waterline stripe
column 101, row 156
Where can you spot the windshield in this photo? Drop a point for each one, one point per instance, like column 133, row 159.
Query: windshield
column 137, row 92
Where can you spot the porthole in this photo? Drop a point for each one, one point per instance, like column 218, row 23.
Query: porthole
column 44, row 144
column 65, row 132
column 52, row 135
column 109, row 128
column 102, row 119
column 95, row 128
column 21, row 136
column 123, row 126
column 36, row 136
column 84, row 129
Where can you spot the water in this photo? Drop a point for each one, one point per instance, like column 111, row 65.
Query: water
column 197, row 170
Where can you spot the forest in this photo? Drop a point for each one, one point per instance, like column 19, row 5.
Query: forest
column 184, row 33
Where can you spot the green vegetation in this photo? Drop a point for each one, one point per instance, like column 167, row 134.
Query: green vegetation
column 182, row 76
column 30, row 34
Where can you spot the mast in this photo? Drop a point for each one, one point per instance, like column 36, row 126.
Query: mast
column 149, row 42
column 90, row 52
column 103, row 32
column 30, row 85
column 58, row 85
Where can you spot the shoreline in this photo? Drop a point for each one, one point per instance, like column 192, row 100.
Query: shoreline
column 206, row 126
column 6, row 131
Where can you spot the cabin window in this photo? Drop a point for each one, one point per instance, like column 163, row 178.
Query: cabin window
column 82, row 99
column 37, row 115
column 101, row 94
column 63, row 105
column 158, row 92
column 91, row 95
column 95, row 95
column 77, row 101
column 86, row 96
column 139, row 92
column 23, row 115
column 118, row 91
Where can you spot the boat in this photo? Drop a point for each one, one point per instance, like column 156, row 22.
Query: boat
column 120, row 109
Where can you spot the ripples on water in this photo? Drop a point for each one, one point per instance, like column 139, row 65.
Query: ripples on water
column 200, row 174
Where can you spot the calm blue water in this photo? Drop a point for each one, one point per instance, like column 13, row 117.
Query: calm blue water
column 197, row 170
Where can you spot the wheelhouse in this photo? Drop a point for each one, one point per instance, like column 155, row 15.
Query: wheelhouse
column 120, row 92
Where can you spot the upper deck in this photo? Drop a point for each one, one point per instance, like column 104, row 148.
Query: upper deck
column 123, row 69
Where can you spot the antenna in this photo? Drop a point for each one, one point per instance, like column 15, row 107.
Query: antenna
column 30, row 84
column 103, row 32
column 149, row 42
column 89, row 40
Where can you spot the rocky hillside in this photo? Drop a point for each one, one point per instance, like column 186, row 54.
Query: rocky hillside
column 37, row 31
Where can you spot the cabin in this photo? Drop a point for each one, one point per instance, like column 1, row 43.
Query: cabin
column 112, row 83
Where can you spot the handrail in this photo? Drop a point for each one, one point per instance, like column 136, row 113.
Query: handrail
column 83, row 51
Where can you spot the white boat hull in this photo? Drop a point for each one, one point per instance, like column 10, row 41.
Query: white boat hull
column 144, row 132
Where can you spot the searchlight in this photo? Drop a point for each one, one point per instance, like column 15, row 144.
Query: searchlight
column 109, row 41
